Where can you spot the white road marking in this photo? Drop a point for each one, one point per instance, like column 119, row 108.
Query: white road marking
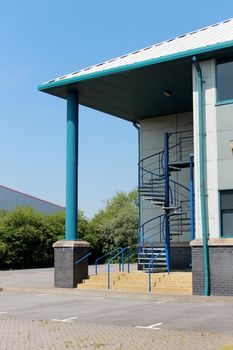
column 42, row 295
column 65, row 320
column 4, row 312
column 98, row 298
column 161, row 302
column 153, row 326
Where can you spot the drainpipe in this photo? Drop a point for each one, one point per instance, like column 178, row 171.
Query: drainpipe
column 139, row 177
column 201, row 171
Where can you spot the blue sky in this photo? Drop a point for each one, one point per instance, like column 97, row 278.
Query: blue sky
column 44, row 39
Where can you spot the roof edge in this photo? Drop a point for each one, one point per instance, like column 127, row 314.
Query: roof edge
column 116, row 70
column 32, row 197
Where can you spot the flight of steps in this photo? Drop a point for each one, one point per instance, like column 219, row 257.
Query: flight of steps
column 173, row 283
column 145, row 255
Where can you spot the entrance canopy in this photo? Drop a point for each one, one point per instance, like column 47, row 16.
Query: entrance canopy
column 156, row 80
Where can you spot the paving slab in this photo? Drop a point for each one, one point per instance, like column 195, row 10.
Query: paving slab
column 28, row 335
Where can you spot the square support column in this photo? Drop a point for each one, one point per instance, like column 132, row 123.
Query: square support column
column 66, row 253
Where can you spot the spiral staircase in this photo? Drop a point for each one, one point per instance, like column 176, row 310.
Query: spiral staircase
column 161, row 185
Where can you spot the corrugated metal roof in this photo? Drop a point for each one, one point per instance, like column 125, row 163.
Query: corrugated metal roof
column 203, row 38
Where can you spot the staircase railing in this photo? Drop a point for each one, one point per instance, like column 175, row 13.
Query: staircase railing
column 180, row 146
column 121, row 252
column 82, row 258
column 104, row 256
column 157, row 186
column 157, row 228
column 151, row 265
column 152, row 164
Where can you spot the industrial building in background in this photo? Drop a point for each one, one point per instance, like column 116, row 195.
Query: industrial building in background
column 10, row 199
column 179, row 96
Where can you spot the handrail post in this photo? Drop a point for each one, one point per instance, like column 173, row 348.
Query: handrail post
column 149, row 268
column 149, row 280
column 128, row 260
column 109, row 261
column 108, row 275
column 123, row 260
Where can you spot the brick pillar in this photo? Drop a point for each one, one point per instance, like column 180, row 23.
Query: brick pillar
column 220, row 266
column 66, row 273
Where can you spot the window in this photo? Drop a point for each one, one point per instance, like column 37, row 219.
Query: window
column 226, row 204
column 225, row 80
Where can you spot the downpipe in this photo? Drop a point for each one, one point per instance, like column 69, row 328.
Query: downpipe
column 139, row 176
column 201, row 172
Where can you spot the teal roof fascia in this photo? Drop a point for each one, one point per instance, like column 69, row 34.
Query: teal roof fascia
column 136, row 65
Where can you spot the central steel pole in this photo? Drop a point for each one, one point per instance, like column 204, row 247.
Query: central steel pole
column 167, row 199
column 72, row 166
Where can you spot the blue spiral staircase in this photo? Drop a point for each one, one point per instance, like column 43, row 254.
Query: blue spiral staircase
column 158, row 184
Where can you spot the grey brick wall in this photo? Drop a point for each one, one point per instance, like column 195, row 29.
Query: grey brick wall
column 221, row 270
column 67, row 274
column 180, row 258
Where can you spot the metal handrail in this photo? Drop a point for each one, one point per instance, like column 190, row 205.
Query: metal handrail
column 84, row 257
column 103, row 256
column 146, row 222
column 150, row 172
column 180, row 132
column 149, row 269
column 153, row 177
column 152, row 155
column 122, row 261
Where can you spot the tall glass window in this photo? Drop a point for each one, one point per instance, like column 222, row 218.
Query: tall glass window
column 225, row 80
column 226, row 203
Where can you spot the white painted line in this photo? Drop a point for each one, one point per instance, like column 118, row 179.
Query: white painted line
column 4, row 312
column 42, row 295
column 161, row 302
column 65, row 320
column 153, row 326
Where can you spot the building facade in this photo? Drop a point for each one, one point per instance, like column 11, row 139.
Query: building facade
column 10, row 199
column 179, row 96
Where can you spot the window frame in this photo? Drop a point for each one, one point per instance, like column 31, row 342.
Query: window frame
column 223, row 101
column 221, row 213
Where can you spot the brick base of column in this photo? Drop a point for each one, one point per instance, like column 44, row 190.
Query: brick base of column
column 220, row 266
column 66, row 273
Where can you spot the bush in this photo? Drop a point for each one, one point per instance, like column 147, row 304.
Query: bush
column 27, row 236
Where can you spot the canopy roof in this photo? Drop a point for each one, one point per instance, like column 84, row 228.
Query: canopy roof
column 132, row 86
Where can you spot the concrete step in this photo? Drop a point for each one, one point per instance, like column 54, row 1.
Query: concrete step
column 173, row 283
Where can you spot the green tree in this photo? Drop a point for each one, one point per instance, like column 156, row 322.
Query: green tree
column 116, row 224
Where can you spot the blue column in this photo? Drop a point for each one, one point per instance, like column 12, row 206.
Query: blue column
column 72, row 165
